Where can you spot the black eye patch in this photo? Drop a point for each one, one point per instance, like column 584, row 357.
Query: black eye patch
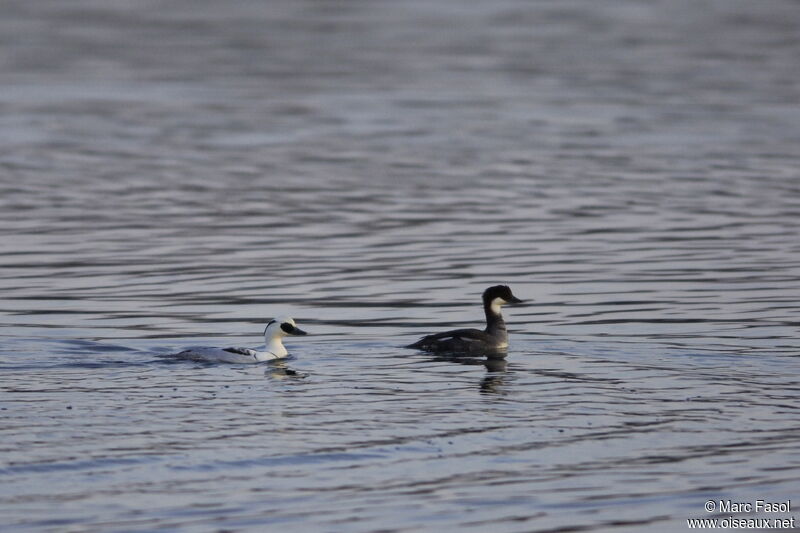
column 288, row 328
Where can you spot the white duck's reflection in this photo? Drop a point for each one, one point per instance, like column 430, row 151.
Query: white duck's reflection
column 280, row 370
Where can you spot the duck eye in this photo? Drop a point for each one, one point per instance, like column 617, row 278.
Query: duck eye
column 288, row 328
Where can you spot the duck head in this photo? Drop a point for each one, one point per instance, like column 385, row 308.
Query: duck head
column 281, row 327
column 498, row 296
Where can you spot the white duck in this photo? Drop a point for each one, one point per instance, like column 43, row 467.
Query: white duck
column 274, row 333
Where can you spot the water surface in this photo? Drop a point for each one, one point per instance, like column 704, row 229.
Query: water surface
column 177, row 174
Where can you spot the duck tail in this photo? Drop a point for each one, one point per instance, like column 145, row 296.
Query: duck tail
column 419, row 345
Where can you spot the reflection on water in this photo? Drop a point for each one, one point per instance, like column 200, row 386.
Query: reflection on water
column 175, row 176
column 279, row 370
column 493, row 382
column 496, row 370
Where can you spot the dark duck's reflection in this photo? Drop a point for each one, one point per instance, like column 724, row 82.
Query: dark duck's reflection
column 495, row 378
column 496, row 371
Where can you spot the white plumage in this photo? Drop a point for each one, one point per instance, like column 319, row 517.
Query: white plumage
column 273, row 347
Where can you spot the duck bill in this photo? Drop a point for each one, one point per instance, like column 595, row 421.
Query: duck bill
column 297, row 331
column 515, row 300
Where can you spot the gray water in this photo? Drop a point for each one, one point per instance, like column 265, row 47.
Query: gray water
column 178, row 173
